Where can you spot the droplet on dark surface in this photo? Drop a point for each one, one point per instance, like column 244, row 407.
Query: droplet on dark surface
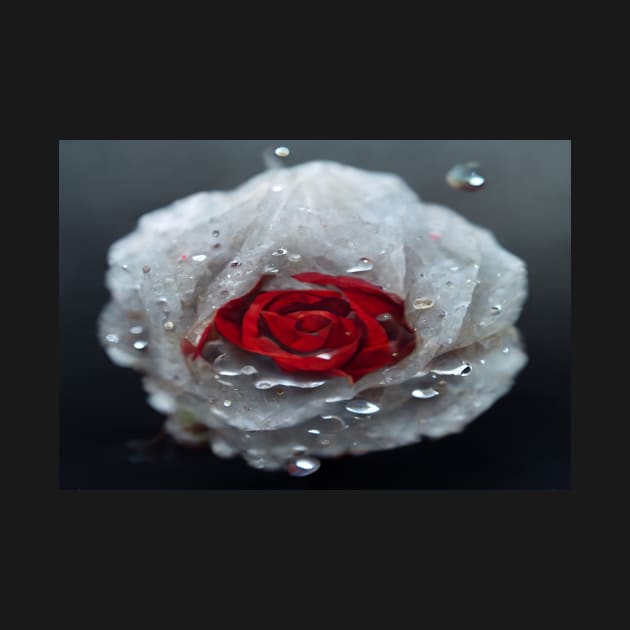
column 465, row 177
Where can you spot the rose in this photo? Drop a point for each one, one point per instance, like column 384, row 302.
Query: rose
column 191, row 273
column 349, row 332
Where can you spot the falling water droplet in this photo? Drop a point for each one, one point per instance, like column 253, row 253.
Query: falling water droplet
column 199, row 257
column 136, row 330
column 495, row 310
column 425, row 393
column 303, row 466
column 362, row 407
column 140, row 345
column 216, row 233
column 465, row 177
column 112, row 338
column 422, row 303
column 282, row 152
column 363, row 264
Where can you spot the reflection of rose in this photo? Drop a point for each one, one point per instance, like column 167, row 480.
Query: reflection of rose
column 350, row 333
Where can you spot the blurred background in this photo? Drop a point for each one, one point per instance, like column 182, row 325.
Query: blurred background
column 522, row 442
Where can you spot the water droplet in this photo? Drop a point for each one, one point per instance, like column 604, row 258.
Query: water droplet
column 425, row 393
column 362, row 407
column 422, row 303
column 324, row 355
column 495, row 310
column 303, row 466
column 263, row 385
column 313, row 431
column 271, row 269
column 281, row 251
column 112, row 338
column 136, row 330
column 140, row 345
column 282, row 151
column 460, row 370
column 384, row 317
column 324, row 442
column 199, row 257
column 442, row 314
column 226, row 366
column 248, row 370
column 482, row 361
column 146, row 269
column 162, row 300
column 394, row 354
column 216, row 233
column 505, row 350
column 169, row 325
column 294, row 257
column 465, row 177
column 363, row 264
column 276, row 188
column 227, row 403
column 333, row 424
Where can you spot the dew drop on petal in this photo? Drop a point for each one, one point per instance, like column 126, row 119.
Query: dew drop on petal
column 136, row 330
column 425, row 393
column 248, row 370
column 461, row 370
column 303, row 466
column 281, row 251
column 363, row 264
column 140, row 345
column 216, row 233
column 112, row 338
column 146, row 269
column 271, row 269
column 199, row 257
column 169, row 325
column 422, row 303
column 282, row 152
column 384, row 317
column 294, row 257
column 227, row 403
column 362, row 407
column 495, row 310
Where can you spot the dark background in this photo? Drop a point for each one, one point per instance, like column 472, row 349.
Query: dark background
column 523, row 441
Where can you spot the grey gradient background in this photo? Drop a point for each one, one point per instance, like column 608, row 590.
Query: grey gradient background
column 522, row 442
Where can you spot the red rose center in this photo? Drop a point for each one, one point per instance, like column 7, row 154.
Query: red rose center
column 309, row 323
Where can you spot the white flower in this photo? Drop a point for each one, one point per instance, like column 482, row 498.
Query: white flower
column 462, row 292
